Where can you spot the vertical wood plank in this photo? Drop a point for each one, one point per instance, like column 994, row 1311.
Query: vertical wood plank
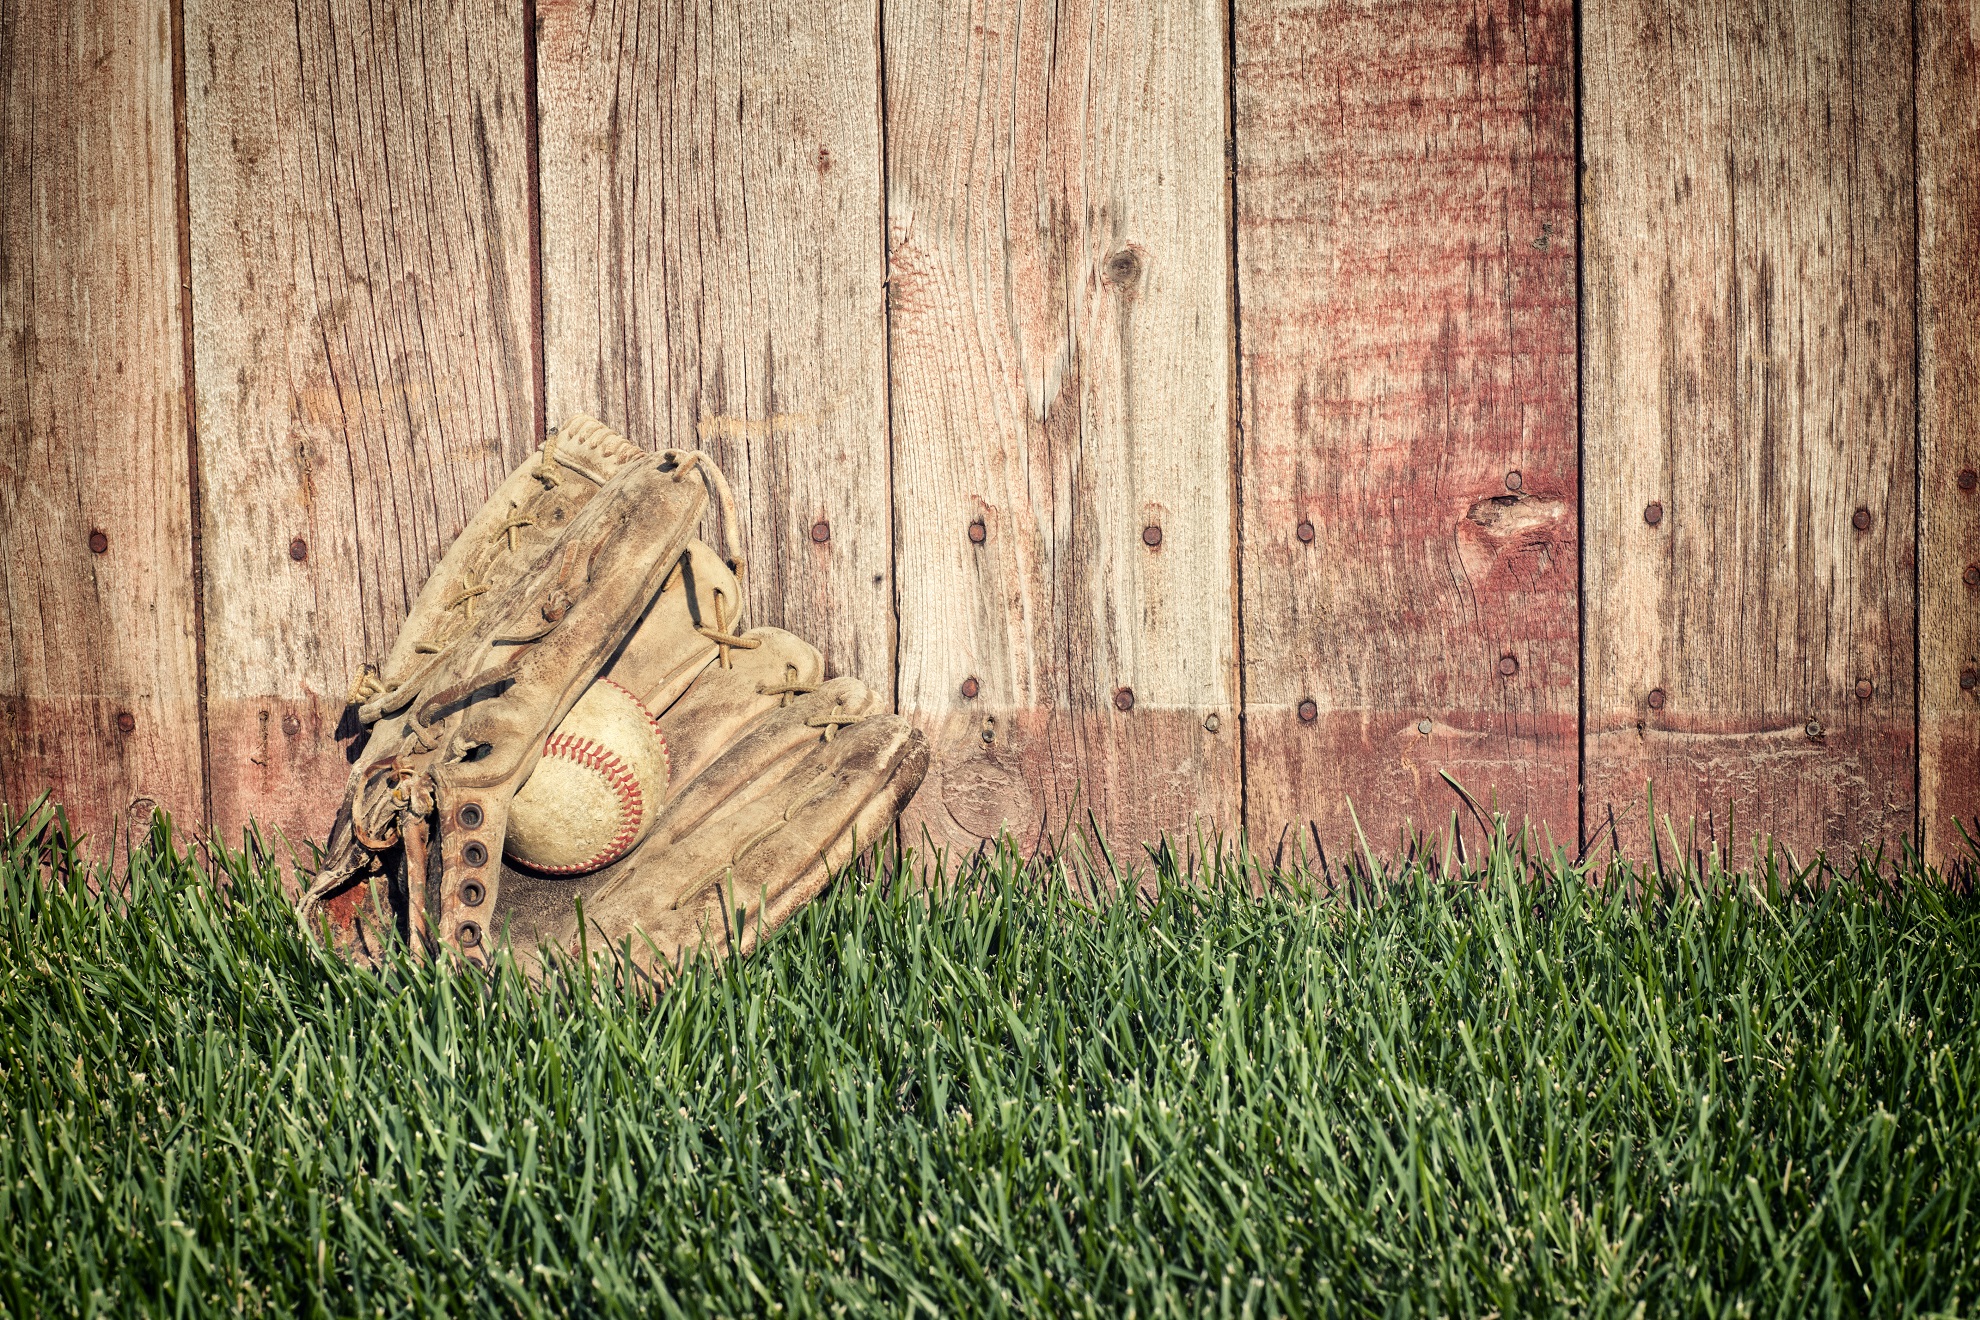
column 1949, row 422
column 1060, row 314
column 1748, row 370
column 1406, row 274
column 99, row 694
column 712, row 248
column 361, row 286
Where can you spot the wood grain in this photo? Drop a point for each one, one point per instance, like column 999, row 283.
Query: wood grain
column 1406, row 273
column 99, row 693
column 1948, row 430
column 1061, row 330
column 713, row 268
column 362, row 284
column 1749, row 355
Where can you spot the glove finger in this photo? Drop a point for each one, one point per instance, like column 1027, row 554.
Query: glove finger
column 780, row 903
column 767, row 751
column 722, row 702
column 782, row 846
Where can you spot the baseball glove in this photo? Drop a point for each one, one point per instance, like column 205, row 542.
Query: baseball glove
column 574, row 720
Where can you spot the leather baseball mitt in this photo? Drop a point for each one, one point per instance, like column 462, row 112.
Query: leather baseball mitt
column 574, row 720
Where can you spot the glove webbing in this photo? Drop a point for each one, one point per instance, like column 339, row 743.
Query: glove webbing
column 467, row 591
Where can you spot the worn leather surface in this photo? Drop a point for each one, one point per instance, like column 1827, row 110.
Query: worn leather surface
column 583, row 568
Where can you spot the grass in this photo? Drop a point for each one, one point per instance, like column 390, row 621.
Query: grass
column 1511, row 1086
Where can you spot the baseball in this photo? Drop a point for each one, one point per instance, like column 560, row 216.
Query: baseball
column 596, row 790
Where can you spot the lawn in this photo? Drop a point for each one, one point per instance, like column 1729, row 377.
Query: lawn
column 1510, row 1085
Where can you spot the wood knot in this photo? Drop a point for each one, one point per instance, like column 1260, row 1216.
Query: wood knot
column 1122, row 270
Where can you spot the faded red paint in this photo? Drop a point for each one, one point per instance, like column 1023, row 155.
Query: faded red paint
column 1406, row 234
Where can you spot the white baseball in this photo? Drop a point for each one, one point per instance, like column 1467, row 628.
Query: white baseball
column 596, row 790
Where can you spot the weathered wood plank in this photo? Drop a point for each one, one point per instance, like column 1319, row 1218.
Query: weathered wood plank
column 1748, row 371
column 1948, row 438
column 362, row 284
column 1057, row 214
column 712, row 278
column 1406, row 274
column 99, row 692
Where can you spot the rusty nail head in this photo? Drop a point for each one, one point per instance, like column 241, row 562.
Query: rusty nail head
column 126, row 722
column 476, row 853
column 469, row 815
column 821, row 531
column 98, row 542
column 1423, row 727
column 1813, row 728
column 1860, row 520
column 1305, row 531
column 977, row 532
column 969, row 687
column 1514, row 480
column 1211, row 723
column 1124, row 698
column 1967, row 478
column 291, row 725
column 1656, row 698
column 1653, row 512
column 1151, row 536
column 1309, row 711
column 1508, row 665
column 1971, row 577
column 1865, row 689
column 470, row 934
column 1969, row 677
column 472, row 893
column 298, row 549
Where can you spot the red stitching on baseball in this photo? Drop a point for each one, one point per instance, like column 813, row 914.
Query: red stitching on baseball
column 617, row 775
column 653, row 723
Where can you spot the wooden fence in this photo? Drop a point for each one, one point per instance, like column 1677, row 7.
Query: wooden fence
column 1188, row 409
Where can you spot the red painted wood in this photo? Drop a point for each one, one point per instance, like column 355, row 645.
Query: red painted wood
column 1406, row 278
